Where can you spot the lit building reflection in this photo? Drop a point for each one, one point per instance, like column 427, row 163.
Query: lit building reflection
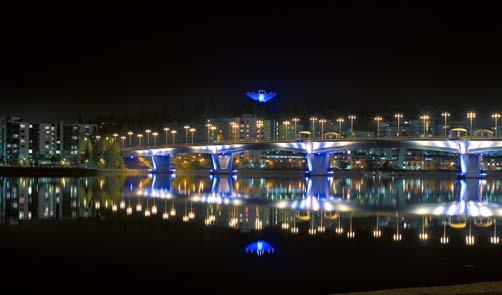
column 426, row 209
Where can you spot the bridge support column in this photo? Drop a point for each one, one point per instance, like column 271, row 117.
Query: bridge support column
column 222, row 185
column 318, row 187
column 222, row 163
column 162, row 163
column 318, row 163
column 469, row 190
column 470, row 165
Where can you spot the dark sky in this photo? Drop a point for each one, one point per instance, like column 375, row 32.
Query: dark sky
column 66, row 61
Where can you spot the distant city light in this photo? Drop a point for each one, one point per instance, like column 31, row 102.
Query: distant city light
column 261, row 96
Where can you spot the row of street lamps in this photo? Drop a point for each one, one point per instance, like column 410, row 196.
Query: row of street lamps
column 155, row 134
column 235, row 127
column 425, row 118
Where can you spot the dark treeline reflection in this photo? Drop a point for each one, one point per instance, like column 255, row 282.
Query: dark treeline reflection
column 380, row 207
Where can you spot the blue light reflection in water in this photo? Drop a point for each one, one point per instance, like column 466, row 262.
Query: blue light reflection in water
column 259, row 248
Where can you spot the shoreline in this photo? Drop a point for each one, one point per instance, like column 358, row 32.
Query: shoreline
column 79, row 172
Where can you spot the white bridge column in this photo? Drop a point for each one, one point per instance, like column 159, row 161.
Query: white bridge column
column 222, row 163
column 318, row 163
column 470, row 165
column 162, row 163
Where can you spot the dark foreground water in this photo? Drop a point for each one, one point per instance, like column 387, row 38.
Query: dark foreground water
column 190, row 233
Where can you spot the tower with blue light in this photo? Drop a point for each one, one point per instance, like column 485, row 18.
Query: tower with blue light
column 261, row 96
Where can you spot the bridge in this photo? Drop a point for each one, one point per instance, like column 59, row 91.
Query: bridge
column 317, row 153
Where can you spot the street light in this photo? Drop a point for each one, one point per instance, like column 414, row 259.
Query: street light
column 192, row 131
column 115, row 135
column 340, row 123
column 147, row 131
column 425, row 119
column 352, row 118
column 173, row 132
column 123, row 138
column 234, row 129
column 495, row 117
column 445, row 115
column 378, row 119
column 166, row 130
column 312, row 120
column 295, row 121
column 398, row 117
column 471, row 116
column 186, row 127
column 155, row 134
column 286, row 128
column 322, row 121
column 208, row 125
column 139, row 136
column 213, row 128
column 130, row 133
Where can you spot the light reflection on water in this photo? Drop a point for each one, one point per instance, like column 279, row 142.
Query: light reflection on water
column 382, row 207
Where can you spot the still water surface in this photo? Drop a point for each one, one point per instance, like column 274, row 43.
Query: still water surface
column 296, row 205
column 321, row 220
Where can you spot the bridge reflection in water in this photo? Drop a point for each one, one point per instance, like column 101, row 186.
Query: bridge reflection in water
column 381, row 207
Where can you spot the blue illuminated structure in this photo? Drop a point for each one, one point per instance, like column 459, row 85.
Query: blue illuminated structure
column 260, row 247
column 261, row 96
column 317, row 152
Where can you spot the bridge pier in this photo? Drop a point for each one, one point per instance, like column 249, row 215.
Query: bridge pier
column 162, row 163
column 222, row 163
column 470, row 165
column 318, row 187
column 318, row 163
column 222, row 185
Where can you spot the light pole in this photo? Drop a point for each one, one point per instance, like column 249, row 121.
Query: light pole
column 425, row 120
column 166, row 130
column 286, row 129
column 295, row 123
column 234, row 127
column 340, row 123
column 130, row 133
column 259, row 125
column 398, row 117
column 312, row 120
column 208, row 125
column 445, row 115
column 115, row 135
column 186, row 127
column 123, row 138
column 378, row 119
column 173, row 132
column 192, row 131
column 147, row 131
column 352, row 118
column 471, row 116
column 322, row 121
column 213, row 128
column 155, row 134
column 495, row 117
column 139, row 136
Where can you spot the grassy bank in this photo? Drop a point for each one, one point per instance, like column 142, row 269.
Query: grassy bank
column 476, row 288
column 64, row 171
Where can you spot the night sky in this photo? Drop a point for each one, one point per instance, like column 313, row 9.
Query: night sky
column 63, row 62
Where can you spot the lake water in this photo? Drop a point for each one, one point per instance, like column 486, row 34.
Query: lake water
column 328, row 234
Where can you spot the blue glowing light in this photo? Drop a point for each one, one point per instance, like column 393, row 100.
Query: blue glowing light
column 259, row 248
column 261, row 96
